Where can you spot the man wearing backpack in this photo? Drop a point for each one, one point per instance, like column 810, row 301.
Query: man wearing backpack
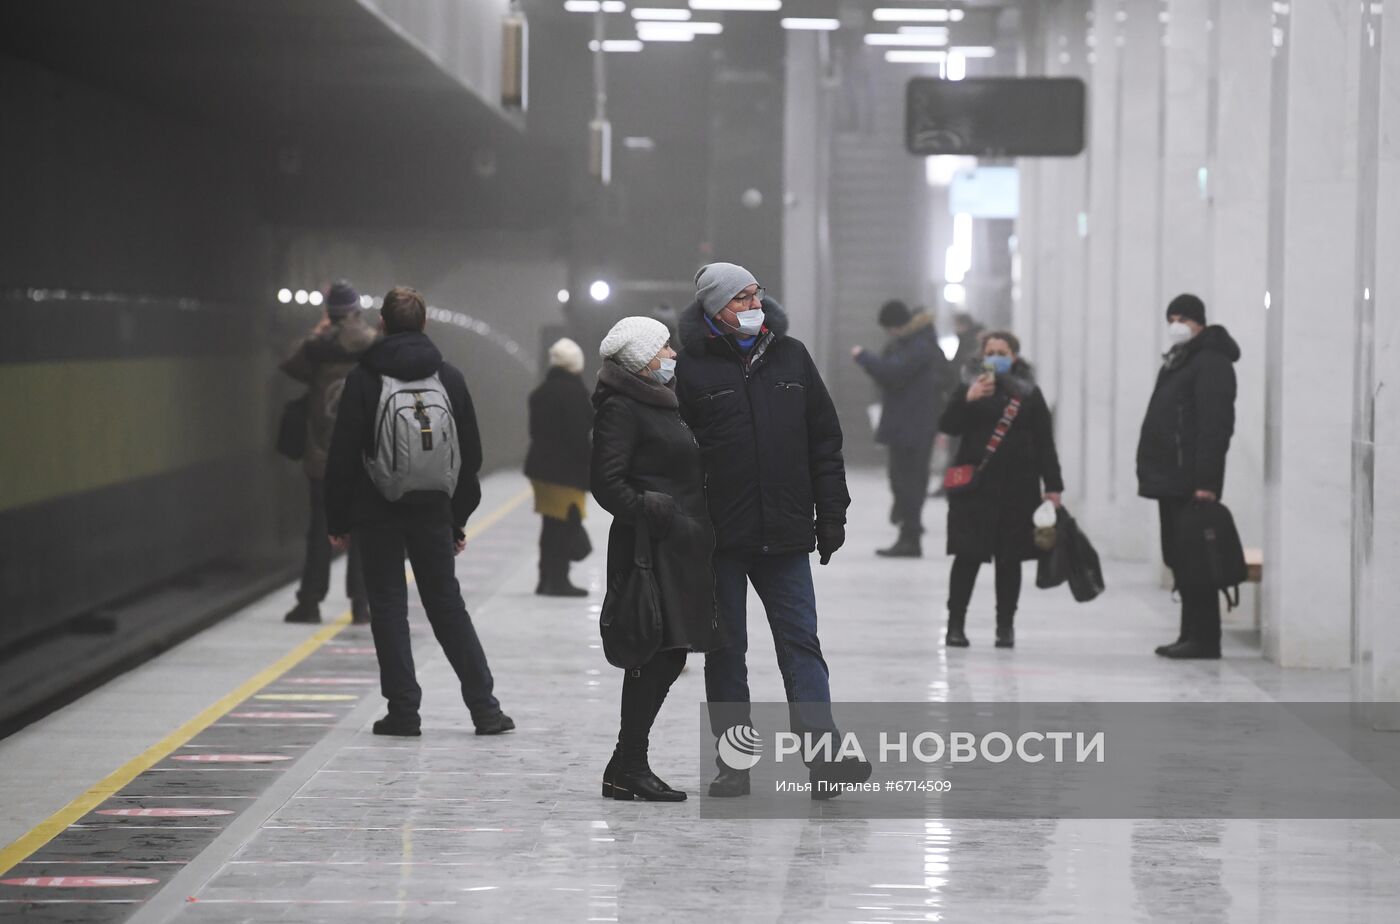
column 402, row 475
column 1181, row 454
column 321, row 361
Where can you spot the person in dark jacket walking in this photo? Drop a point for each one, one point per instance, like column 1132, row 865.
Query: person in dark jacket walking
column 993, row 520
column 428, row 525
column 912, row 374
column 322, row 360
column 1185, row 436
column 646, row 466
column 561, row 418
column 776, row 486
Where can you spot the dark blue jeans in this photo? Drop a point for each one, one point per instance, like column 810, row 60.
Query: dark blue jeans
column 784, row 584
column 429, row 548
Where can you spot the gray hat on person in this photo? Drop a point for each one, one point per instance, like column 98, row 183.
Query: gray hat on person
column 717, row 283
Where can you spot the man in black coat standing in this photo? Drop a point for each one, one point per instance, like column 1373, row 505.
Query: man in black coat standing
column 776, row 488
column 427, row 525
column 1181, row 451
column 912, row 374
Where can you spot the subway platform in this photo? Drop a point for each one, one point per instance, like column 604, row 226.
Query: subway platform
column 235, row 777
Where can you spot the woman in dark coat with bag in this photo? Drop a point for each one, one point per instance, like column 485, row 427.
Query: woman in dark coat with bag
column 646, row 467
column 561, row 418
column 992, row 519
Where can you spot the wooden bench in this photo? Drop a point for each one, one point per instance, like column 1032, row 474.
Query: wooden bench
column 1254, row 560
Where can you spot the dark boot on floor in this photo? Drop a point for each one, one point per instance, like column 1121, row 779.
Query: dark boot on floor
column 1006, row 630
column 628, row 777
column 1180, row 636
column 554, row 580
column 1193, row 651
column 303, row 613
column 398, row 727
column 956, row 638
column 827, row 777
column 498, row 724
column 906, row 546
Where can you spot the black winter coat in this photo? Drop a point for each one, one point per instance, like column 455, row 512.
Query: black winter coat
column 646, row 463
column 352, row 501
column 561, row 419
column 769, row 434
column 994, row 519
column 322, row 361
column 912, row 373
column 1190, row 418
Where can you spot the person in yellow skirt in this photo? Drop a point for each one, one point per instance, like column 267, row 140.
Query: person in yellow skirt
column 561, row 421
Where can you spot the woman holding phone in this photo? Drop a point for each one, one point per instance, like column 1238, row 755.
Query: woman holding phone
column 1005, row 466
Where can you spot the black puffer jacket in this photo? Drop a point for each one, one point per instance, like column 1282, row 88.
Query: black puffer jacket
column 912, row 373
column 995, row 517
column 561, row 418
column 646, row 464
column 1190, row 419
column 769, row 434
column 352, row 501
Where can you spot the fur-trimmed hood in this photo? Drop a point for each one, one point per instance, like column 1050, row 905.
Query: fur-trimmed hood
column 695, row 333
column 613, row 379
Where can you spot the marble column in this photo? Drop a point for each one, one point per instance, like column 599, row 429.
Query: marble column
column 1311, row 351
column 1186, row 216
column 1094, row 494
column 1237, row 183
column 1137, row 254
column 1376, row 436
column 806, row 191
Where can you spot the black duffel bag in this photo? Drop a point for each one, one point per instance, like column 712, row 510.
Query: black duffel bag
column 630, row 622
column 1208, row 552
column 291, row 430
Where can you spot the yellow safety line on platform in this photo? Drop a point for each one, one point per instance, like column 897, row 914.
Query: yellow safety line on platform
column 18, row 851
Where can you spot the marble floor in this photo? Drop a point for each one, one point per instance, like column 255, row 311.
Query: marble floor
column 452, row 827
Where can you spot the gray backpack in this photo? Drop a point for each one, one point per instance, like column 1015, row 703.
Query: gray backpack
column 415, row 439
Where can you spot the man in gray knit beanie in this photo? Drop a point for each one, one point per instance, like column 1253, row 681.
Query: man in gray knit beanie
column 717, row 283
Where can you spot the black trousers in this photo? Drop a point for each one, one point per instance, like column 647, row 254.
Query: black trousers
column 644, row 689
column 909, row 477
column 429, row 549
column 1200, row 609
column 316, row 569
column 964, row 578
column 555, row 538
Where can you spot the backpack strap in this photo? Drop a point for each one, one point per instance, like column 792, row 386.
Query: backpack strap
column 1008, row 417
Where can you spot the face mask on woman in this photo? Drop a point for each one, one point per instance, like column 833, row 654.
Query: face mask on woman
column 1000, row 365
column 1178, row 332
column 750, row 322
column 666, row 372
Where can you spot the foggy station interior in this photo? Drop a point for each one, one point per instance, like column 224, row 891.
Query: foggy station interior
column 183, row 183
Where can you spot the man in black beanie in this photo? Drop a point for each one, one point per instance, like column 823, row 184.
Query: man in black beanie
column 1181, row 452
column 912, row 374
column 322, row 359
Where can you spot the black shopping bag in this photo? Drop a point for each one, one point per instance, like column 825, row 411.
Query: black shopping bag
column 1072, row 560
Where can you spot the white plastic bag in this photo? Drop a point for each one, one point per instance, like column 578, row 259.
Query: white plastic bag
column 1044, row 515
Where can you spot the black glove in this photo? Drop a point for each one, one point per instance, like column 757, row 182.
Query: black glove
column 830, row 537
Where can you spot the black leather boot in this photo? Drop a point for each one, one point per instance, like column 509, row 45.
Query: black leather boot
column 628, row 776
column 956, row 638
column 906, row 546
column 730, row 783
column 1180, row 635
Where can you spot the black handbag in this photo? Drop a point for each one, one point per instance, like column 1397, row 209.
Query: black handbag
column 579, row 546
column 291, row 431
column 630, row 622
column 1072, row 559
column 1208, row 553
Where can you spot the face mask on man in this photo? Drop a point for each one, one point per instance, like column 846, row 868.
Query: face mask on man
column 1000, row 365
column 750, row 322
column 666, row 372
column 1178, row 332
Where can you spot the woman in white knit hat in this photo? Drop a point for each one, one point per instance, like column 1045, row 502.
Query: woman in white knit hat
column 646, row 467
column 561, row 419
